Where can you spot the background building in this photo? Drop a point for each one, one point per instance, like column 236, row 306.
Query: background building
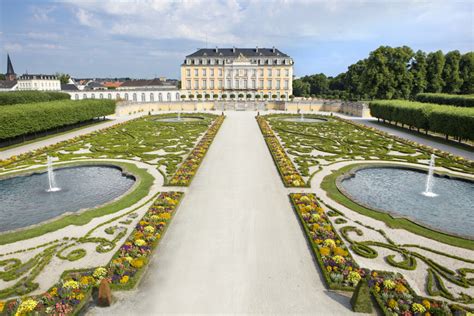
column 265, row 72
column 39, row 82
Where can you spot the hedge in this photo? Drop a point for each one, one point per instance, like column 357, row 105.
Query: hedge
column 22, row 119
column 22, row 97
column 445, row 119
column 466, row 100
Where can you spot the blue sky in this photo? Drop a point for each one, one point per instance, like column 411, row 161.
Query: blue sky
column 143, row 39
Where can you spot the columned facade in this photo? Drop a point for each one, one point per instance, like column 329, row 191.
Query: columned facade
column 165, row 95
column 237, row 73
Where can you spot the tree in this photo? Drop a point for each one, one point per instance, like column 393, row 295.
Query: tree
column 319, row 83
column 418, row 71
column 451, row 78
column 353, row 80
column 183, row 96
column 257, row 96
column 241, row 95
column 2, row 77
column 248, row 96
column 434, row 71
column 466, row 71
column 215, row 96
column 207, row 96
column 63, row 78
column 301, row 88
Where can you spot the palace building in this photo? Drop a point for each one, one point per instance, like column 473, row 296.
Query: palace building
column 226, row 73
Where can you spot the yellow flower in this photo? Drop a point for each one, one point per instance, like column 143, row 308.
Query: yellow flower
column 329, row 268
column 137, row 263
column 426, row 304
column 400, row 288
column 149, row 229
column 388, row 284
column 418, row 308
column 71, row 284
column 377, row 288
column 329, row 243
column 354, row 277
column 2, row 306
column 158, row 235
column 338, row 259
column 26, row 307
column 392, row 303
column 165, row 215
column 100, row 273
column 54, row 291
column 140, row 242
column 340, row 252
column 325, row 251
column 124, row 279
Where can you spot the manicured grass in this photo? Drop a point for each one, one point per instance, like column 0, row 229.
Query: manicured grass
column 329, row 185
column 145, row 181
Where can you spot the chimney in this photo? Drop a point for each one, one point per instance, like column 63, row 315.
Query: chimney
column 217, row 49
column 256, row 50
column 273, row 49
column 233, row 49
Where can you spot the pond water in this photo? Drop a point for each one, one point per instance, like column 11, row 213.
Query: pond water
column 400, row 191
column 24, row 200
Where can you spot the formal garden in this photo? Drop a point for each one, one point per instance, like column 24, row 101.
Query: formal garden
column 412, row 254
column 91, row 208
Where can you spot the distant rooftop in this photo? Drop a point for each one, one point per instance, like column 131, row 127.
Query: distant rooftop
column 235, row 52
column 37, row 76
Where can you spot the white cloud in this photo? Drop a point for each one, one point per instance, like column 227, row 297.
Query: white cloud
column 12, row 47
column 42, row 13
column 86, row 18
column 43, row 35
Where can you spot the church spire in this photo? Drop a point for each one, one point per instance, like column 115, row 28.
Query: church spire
column 10, row 72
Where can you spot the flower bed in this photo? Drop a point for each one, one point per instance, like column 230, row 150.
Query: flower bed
column 128, row 263
column 73, row 291
column 286, row 168
column 188, row 168
column 395, row 297
column 339, row 269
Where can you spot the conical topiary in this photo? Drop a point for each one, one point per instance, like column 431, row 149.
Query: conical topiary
column 360, row 300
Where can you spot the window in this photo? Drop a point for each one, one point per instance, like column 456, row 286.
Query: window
column 196, row 84
column 117, row 96
column 269, row 72
column 160, row 97
column 101, row 96
column 278, row 72
column 196, row 72
column 126, row 96
column 245, row 84
column 261, row 84
column 220, row 72
column 152, row 97
column 261, row 72
column 245, row 72
column 204, row 84
column 211, row 72
column 204, row 72
column 143, row 97
column 196, row 61
column 177, row 96
column 287, row 72
column 109, row 96
column 220, row 84
column 228, row 84
column 211, row 84
column 253, row 84
column 135, row 97
column 254, row 72
column 286, row 83
column 76, row 96
column 188, row 72
column 237, row 84
column 278, row 84
column 92, row 96
column 168, row 96
column 188, row 84
column 269, row 84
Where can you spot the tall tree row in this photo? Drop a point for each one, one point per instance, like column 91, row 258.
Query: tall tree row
column 395, row 73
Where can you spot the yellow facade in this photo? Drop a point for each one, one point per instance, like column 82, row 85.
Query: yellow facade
column 236, row 76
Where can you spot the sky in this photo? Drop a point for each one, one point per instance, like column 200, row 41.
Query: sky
column 150, row 38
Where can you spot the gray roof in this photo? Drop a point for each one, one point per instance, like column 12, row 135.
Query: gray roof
column 37, row 76
column 69, row 87
column 7, row 84
column 235, row 52
column 142, row 83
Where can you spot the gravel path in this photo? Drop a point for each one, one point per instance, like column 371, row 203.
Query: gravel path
column 235, row 245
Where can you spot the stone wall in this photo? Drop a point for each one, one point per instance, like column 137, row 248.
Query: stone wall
column 349, row 108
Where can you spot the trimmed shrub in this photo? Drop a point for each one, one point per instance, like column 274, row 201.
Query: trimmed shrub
column 446, row 99
column 22, row 119
column 22, row 97
column 445, row 119
column 360, row 300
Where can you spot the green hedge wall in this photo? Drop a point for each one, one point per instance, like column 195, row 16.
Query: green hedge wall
column 21, row 97
column 446, row 99
column 21, row 119
column 445, row 119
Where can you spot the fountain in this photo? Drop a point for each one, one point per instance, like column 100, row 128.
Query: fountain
column 179, row 116
column 429, row 179
column 51, row 179
column 302, row 117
